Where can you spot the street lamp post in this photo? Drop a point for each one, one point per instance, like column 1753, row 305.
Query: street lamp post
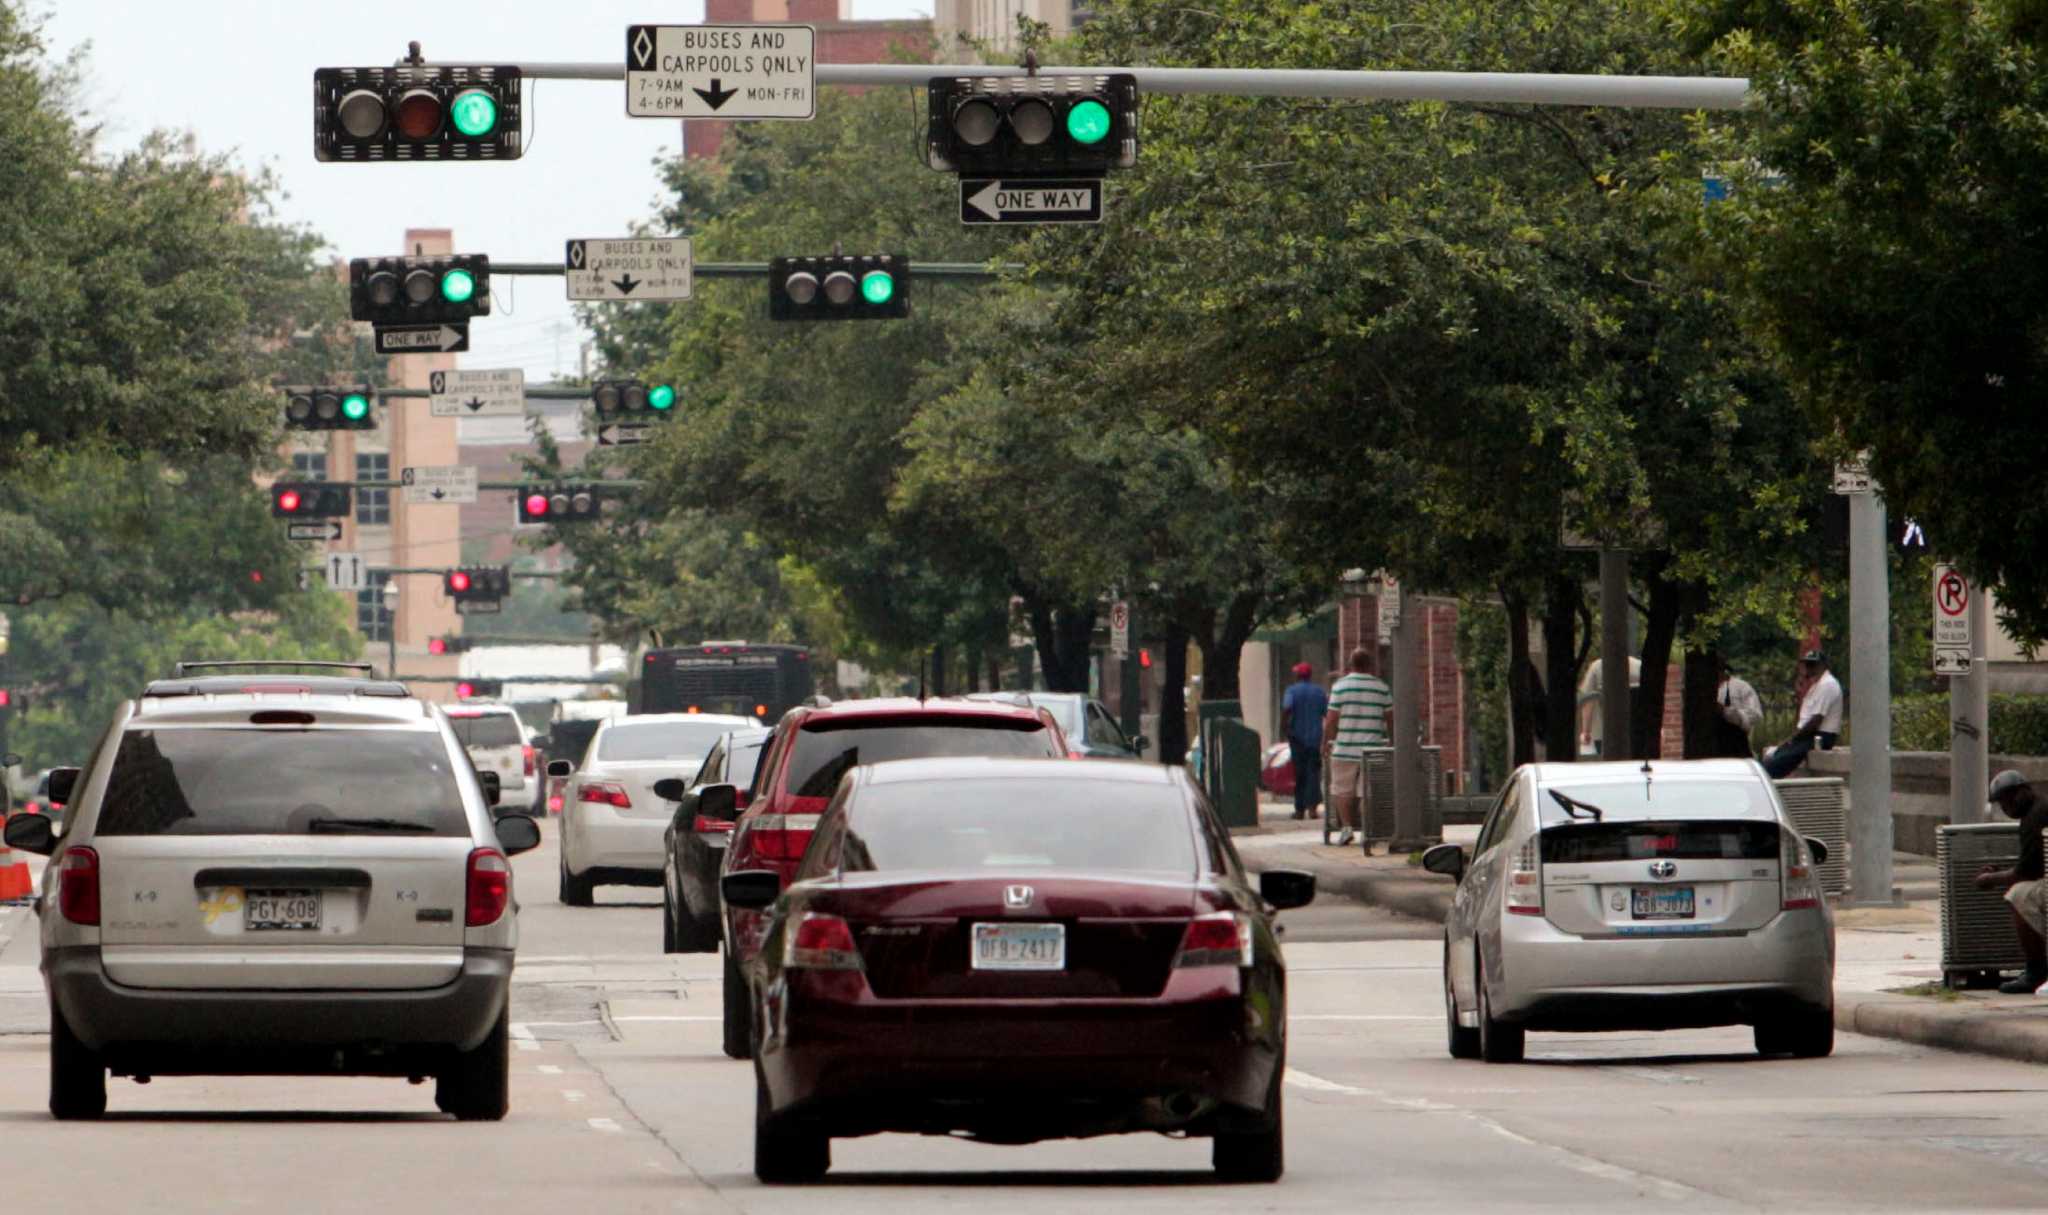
column 391, row 625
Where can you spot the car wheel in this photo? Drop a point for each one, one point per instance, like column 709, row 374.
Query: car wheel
column 1464, row 1042
column 476, row 1084
column 739, row 1015
column 575, row 891
column 1499, row 1042
column 78, row 1079
column 1259, row 1155
column 1808, row 1033
column 785, row 1152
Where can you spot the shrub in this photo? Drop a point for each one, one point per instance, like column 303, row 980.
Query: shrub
column 2019, row 723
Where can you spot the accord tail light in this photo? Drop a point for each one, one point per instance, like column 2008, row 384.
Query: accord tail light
column 1523, row 893
column 78, row 886
column 782, row 837
column 1801, row 884
column 820, row 942
column 490, row 887
column 604, row 793
column 1221, row 939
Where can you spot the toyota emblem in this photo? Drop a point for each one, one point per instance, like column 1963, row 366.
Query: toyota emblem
column 1663, row 869
column 1016, row 897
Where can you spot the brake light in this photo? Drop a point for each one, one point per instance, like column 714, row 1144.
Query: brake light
column 528, row 749
column 1524, row 892
column 782, row 837
column 1223, row 938
column 78, row 886
column 1073, row 754
column 820, row 942
column 1801, row 884
column 710, row 825
column 554, row 803
column 605, row 793
column 490, row 887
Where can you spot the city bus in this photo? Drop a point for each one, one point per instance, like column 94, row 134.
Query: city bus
column 725, row 677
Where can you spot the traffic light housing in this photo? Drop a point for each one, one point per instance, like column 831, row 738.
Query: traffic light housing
column 839, row 287
column 633, row 401
column 417, row 112
column 1033, row 126
column 310, row 500
column 477, row 583
column 448, row 643
column 561, row 503
column 331, row 407
column 475, row 689
column 419, row 290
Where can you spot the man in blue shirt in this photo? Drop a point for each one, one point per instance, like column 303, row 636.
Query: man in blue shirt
column 1301, row 718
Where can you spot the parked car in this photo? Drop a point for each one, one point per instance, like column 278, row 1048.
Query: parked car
column 812, row 748
column 612, row 828
column 497, row 741
column 1637, row 895
column 1016, row 950
column 1091, row 732
column 693, row 847
column 208, row 908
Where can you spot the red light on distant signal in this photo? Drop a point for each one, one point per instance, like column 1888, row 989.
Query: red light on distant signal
column 464, row 690
column 458, row 581
column 437, row 645
column 6, row 698
column 288, row 501
column 1145, row 659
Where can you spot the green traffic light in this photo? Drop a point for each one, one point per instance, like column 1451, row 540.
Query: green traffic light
column 355, row 407
column 661, row 396
column 457, row 286
column 877, row 286
column 1088, row 122
column 474, row 113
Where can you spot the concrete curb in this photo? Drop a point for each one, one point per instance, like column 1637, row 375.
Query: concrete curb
column 2021, row 1034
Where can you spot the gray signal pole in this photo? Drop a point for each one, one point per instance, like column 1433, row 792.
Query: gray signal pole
column 1870, row 703
column 1969, row 724
column 1406, row 686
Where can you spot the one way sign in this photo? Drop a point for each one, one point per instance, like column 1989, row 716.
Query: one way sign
column 422, row 339
column 645, row 268
column 1030, row 201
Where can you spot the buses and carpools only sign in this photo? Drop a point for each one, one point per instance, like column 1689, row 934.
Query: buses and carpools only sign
column 721, row 71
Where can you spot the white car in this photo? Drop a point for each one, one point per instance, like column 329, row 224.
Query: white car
column 612, row 821
column 497, row 741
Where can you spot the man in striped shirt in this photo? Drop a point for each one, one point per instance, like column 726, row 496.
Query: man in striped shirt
column 1361, row 713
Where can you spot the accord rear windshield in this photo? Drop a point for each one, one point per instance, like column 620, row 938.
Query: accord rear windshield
column 280, row 782
column 1019, row 824
column 829, row 750
column 490, row 730
column 1584, row 842
column 660, row 740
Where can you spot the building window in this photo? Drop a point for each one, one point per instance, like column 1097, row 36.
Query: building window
column 309, row 465
column 373, row 619
column 373, row 505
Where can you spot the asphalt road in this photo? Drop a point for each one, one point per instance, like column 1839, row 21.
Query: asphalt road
column 622, row 1102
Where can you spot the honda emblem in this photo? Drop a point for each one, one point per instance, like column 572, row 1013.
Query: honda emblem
column 1017, row 897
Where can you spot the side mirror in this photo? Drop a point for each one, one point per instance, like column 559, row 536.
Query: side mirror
column 1141, row 744
column 721, row 802
column 30, row 833
column 561, row 767
column 670, row 788
column 751, row 889
column 1447, row 859
column 493, row 788
column 62, row 782
column 1819, row 850
column 517, row 833
column 1285, row 888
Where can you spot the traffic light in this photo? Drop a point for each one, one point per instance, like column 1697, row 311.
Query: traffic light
column 309, row 500
column 418, row 112
column 474, row 689
column 563, row 503
column 839, row 287
column 419, row 290
column 6, row 699
column 448, row 643
column 331, row 407
column 633, row 400
column 477, row 583
column 1025, row 126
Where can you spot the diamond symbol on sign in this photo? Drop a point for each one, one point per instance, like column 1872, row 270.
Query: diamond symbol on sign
column 643, row 46
column 576, row 254
column 439, row 383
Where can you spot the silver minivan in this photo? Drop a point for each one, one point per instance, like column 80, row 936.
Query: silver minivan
column 1637, row 895
column 278, row 875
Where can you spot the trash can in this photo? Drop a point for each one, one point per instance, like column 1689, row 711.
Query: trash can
column 1978, row 941
column 1379, row 793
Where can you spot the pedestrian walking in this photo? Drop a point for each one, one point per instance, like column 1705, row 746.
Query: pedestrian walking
column 1820, row 718
column 2024, row 890
column 1360, row 716
column 1301, row 719
column 1740, row 709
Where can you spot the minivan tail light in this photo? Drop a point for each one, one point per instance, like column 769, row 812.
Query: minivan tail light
column 1223, row 938
column 1523, row 894
column 490, row 887
column 1801, row 884
column 78, row 886
column 604, row 793
column 528, row 749
column 820, row 942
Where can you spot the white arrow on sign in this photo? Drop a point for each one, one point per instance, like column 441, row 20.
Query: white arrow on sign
column 623, row 434
column 1077, row 201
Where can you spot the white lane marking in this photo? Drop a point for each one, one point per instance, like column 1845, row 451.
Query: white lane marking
column 522, row 1037
column 1591, row 1167
column 1364, row 1016
column 531, row 1025
column 605, row 1124
column 1651, row 1073
column 572, row 1096
column 664, row 1017
column 549, row 1069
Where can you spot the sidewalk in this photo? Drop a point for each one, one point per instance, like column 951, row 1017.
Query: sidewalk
column 1887, row 960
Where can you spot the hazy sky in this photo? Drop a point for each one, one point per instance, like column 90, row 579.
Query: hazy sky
column 239, row 74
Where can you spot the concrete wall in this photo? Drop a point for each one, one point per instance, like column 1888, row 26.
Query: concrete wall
column 1920, row 789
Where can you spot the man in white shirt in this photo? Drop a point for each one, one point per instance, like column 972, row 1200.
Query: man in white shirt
column 1740, row 709
column 1820, row 717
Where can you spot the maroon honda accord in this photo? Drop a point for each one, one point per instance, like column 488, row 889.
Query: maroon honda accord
column 1016, row 950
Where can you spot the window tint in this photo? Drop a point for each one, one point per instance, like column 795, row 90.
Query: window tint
column 659, row 740
column 1664, row 798
column 210, row 781
column 740, row 765
column 714, row 764
column 490, row 730
column 1019, row 824
column 827, row 751
column 1581, row 843
column 1103, row 731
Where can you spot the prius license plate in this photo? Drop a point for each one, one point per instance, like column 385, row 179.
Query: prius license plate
column 1020, row 947
column 1661, row 902
column 281, row 910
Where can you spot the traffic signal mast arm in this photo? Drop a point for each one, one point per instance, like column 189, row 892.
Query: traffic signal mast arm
column 959, row 270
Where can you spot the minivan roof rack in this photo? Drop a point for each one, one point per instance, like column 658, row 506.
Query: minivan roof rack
column 180, row 670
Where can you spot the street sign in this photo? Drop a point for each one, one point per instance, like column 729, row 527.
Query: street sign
column 1952, row 641
column 451, row 483
column 314, row 529
column 1030, row 201
column 655, row 268
column 479, row 607
column 721, row 71
column 422, row 339
column 499, row 393
column 1120, row 629
column 1853, row 476
column 345, row 571
column 1390, row 605
column 624, row 434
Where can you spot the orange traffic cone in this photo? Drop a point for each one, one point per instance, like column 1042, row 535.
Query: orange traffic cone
column 15, row 882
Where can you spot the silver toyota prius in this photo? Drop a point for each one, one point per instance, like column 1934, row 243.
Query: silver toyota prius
column 1637, row 895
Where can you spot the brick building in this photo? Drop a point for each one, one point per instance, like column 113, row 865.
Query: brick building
column 1442, row 681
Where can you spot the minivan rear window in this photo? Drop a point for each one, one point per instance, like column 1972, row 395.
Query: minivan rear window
column 210, row 781
column 829, row 750
column 490, row 730
column 1585, row 843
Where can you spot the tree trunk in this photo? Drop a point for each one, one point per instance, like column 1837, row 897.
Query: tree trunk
column 1173, row 700
column 1564, row 604
column 995, row 672
column 973, row 669
column 1061, row 636
column 1646, row 708
column 1525, row 687
column 1223, row 653
column 936, row 685
column 1698, row 711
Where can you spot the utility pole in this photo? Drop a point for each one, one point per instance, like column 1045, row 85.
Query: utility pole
column 1405, row 638
column 1969, row 717
column 1614, row 689
column 1870, row 703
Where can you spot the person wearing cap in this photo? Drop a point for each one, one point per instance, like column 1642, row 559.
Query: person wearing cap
column 1301, row 719
column 1820, row 717
column 2024, row 890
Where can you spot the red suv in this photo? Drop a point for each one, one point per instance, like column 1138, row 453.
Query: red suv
column 812, row 748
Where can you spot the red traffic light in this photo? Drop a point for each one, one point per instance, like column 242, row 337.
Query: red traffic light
column 288, row 501
column 458, row 581
column 536, row 504
column 1145, row 659
column 6, row 698
column 437, row 645
column 464, row 690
